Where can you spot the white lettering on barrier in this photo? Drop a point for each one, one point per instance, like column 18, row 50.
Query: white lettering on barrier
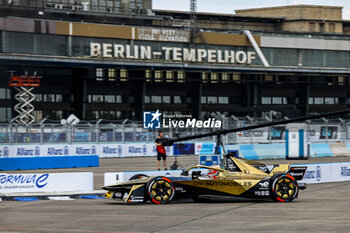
column 102, row 150
column 46, row 182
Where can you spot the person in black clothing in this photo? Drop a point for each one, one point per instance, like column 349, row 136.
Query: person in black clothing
column 161, row 152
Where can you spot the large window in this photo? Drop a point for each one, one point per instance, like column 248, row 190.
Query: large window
column 265, row 100
column 274, row 100
column 105, row 99
column 48, row 98
column 156, row 99
column 177, row 100
column 323, row 100
column 5, row 93
column 166, row 99
column 181, row 76
column 318, row 100
column 5, row 114
column 109, row 99
column 212, row 100
column 223, row 100
column 109, row 115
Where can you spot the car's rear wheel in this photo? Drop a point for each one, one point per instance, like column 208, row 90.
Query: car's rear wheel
column 160, row 190
column 284, row 188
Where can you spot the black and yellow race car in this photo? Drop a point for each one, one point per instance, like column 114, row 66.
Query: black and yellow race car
column 238, row 178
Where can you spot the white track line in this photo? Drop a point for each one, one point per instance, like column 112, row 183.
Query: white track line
column 63, row 198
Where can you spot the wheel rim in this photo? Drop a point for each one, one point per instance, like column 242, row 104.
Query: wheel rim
column 285, row 189
column 161, row 191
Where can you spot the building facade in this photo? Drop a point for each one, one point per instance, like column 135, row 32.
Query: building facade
column 99, row 63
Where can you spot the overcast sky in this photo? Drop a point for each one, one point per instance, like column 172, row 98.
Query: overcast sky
column 228, row 6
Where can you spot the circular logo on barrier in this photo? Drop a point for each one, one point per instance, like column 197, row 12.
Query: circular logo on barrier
column 144, row 149
column 37, row 151
column 66, row 150
column 318, row 173
column 93, row 150
column 5, row 151
column 120, row 150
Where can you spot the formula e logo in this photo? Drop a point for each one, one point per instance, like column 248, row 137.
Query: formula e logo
column 151, row 120
column 37, row 151
column 264, row 185
column 318, row 173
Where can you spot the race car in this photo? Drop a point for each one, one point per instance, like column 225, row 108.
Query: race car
column 238, row 178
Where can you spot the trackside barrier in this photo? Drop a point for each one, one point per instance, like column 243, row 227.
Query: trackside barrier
column 46, row 182
column 315, row 173
column 326, row 172
column 248, row 151
column 48, row 162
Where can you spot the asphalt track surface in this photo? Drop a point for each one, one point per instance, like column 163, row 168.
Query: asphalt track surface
column 320, row 208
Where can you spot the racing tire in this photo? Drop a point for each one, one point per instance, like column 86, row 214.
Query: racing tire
column 160, row 190
column 284, row 188
column 138, row 176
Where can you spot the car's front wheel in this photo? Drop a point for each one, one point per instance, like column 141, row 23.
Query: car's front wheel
column 160, row 190
column 284, row 188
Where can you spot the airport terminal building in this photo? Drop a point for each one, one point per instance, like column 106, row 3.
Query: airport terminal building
column 116, row 59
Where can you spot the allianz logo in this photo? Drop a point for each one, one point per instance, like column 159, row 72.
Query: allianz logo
column 138, row 150
column 82, row 151
column 135, row 150
column 54, row 151
column 109, row 150
column 23, row 151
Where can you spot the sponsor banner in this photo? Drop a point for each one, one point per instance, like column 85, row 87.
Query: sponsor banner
column 262, row 135
column 204, row 148
column 277, row 134
column 317, row 132
column 102, row 150
column 46, row 182
column 130, row 150
column 328, row 172
column 111, row 178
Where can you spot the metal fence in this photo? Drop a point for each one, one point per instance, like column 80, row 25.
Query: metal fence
column 129, row 131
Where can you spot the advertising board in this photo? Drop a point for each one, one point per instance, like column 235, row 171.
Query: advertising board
column 326, row 172
column 103, row 150
column 46, row 182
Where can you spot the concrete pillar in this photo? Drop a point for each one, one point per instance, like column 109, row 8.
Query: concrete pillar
column 79, row 92
column 195, row 93
column 138, row 90
column 304, row 94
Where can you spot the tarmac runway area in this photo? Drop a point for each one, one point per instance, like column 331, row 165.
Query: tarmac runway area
column 320, row 208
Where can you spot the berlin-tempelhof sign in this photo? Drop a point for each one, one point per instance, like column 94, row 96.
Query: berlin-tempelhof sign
column 176, row 54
